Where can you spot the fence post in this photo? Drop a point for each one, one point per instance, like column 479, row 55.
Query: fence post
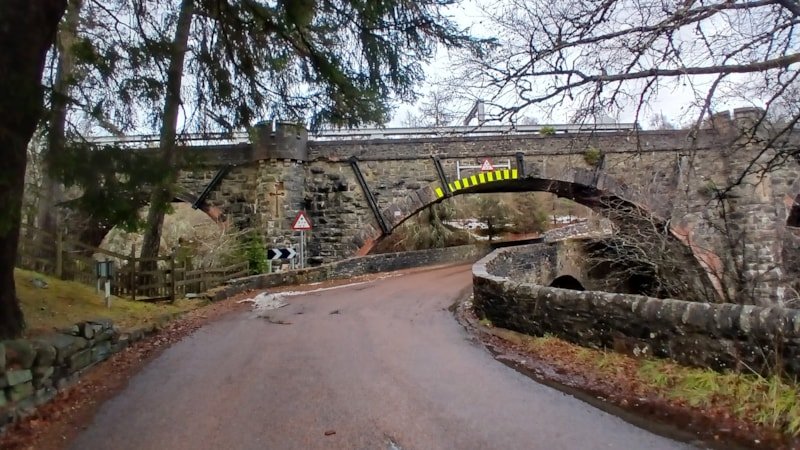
column 133, row 271
column 183, row 278
column 172, row 276
column 59, row 255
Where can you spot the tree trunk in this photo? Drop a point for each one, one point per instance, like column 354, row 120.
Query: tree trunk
column 52, row 192
column 27, row 30
column 164, row 192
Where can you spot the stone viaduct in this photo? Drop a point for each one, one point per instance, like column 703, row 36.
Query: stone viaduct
column 356, row 190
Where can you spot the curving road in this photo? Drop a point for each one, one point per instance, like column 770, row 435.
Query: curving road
column 379, row 365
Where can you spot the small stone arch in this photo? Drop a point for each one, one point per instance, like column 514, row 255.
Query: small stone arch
column 567, row 282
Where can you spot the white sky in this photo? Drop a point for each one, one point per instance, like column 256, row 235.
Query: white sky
column 674, row 104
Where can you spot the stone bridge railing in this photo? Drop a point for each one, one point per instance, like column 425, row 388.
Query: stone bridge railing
column 240, row 137
column 719, row 336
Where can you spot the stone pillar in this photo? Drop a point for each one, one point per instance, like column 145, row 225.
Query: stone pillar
column 280, row 180
column 755, row 205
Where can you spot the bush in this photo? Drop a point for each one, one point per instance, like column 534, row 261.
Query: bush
column 547, row 130
column 593, row 156
column 255, row 252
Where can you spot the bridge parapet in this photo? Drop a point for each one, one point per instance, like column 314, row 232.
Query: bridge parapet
column 719, row 336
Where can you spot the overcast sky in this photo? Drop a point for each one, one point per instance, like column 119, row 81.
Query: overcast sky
column 674, row 102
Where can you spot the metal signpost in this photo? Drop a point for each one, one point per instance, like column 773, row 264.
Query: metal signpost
column 104, row 270
column 301, row 224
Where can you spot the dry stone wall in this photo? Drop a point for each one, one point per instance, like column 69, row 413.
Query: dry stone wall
column 719, row 336
column 33, row 370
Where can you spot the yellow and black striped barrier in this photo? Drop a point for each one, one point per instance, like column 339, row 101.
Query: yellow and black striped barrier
column 481, row 178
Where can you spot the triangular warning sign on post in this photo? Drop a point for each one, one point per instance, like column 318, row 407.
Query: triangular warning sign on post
column 301, row 222
column 486, row 166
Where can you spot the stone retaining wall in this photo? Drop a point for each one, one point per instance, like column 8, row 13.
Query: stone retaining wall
column 33, row 370
column 719, row 336
column 351, row 267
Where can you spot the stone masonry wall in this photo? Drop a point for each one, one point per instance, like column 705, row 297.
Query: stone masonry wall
column 338, row 211
column 33, row 370
column 719, row 336
column 670, row 174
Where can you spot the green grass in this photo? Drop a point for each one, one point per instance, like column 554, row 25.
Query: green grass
column 64, row 303
column 772, row 401
column 608, row 361
column 655, row 374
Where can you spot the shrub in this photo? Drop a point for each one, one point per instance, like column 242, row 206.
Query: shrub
column 255, row 252
column 593, row 156
column 547, row 130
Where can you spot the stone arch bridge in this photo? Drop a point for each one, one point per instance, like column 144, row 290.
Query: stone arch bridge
column 357, row 188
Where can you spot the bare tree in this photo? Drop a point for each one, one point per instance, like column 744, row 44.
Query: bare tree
column 437, row 108
column 660, row 122
column 594, row 57
column 641, row 256
column 646, row 256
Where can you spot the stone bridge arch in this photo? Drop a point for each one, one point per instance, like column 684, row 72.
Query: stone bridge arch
column 92, row 231
column 567, row 282
column 595, row 189
column 592, row 188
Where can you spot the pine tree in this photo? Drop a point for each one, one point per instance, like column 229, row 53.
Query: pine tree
column 27, row 30
column 337, row 63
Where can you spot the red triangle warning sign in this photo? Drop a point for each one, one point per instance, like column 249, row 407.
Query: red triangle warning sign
column 301, row 222
column 486, row 166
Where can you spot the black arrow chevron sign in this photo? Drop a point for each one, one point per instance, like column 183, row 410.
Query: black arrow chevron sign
column 281, row 253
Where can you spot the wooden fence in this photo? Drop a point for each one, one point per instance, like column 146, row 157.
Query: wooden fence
column 147, row 279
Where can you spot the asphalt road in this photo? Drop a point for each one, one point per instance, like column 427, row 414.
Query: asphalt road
column 383, row 365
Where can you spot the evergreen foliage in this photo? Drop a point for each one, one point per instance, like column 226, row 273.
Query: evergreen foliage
column 254, row 251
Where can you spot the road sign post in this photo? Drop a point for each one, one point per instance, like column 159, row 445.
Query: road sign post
column 302, row 224
column 275, row 254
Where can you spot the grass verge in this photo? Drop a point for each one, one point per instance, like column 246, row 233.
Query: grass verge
column 64, row 303
column 770, row 402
